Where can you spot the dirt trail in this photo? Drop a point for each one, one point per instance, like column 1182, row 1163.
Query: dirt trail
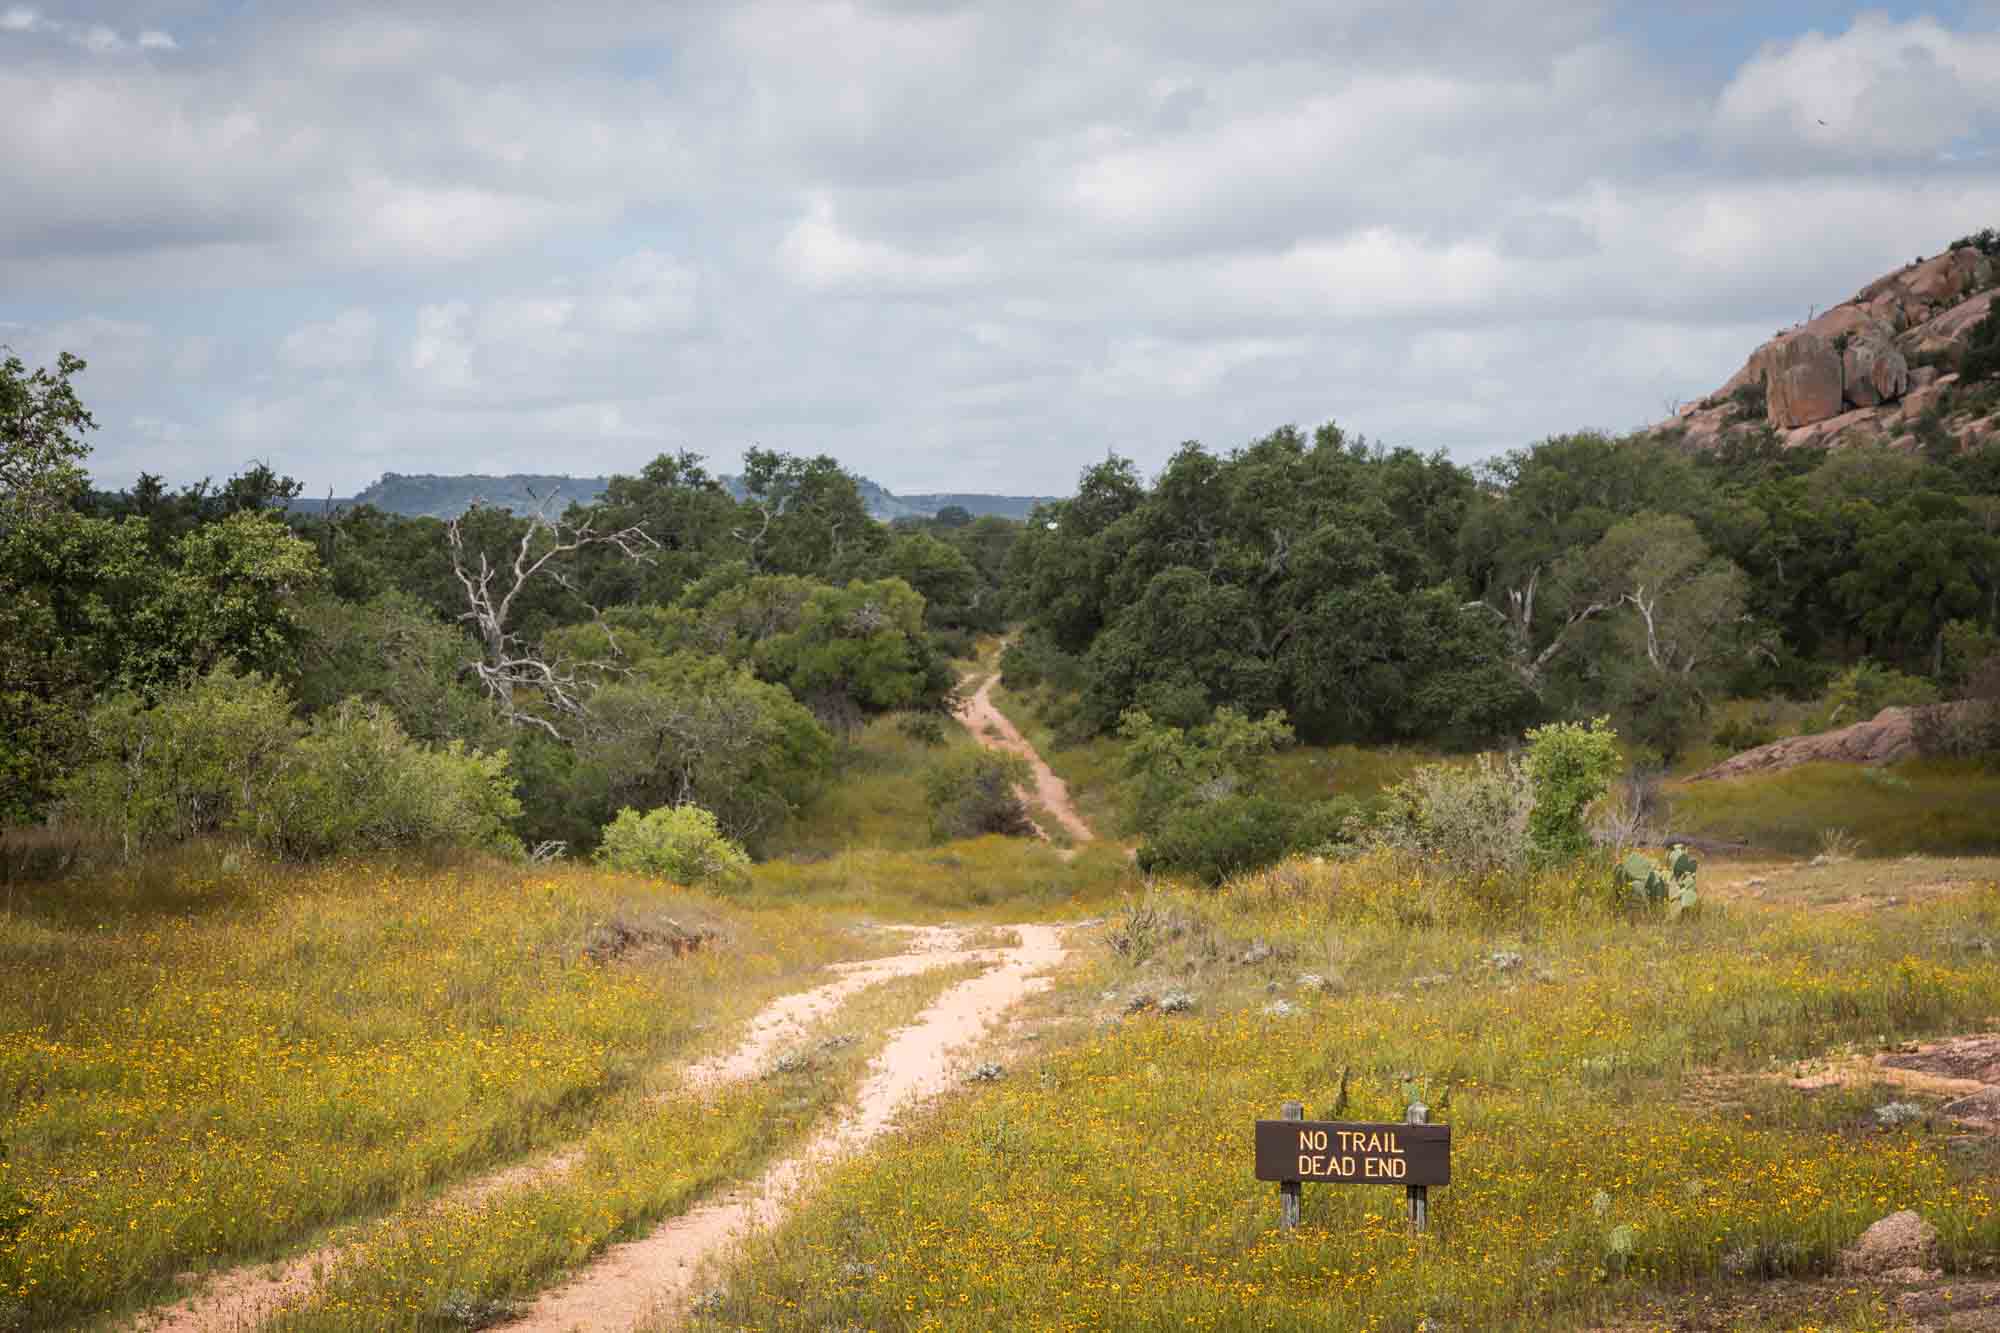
column 243, row 1297
column 983, row 719
column 653, row 1278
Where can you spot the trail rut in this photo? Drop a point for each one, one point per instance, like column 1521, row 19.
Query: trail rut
column 990, row 727
column 242, row 1298
column 653, row 1277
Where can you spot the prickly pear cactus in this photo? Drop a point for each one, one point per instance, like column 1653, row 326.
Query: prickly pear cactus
column 1643, row 882
column 1681, row 895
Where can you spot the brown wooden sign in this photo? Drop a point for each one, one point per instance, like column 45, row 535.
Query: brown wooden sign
column 1349, row 1153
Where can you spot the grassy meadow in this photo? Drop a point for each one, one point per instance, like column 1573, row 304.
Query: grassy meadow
column 1621, row 1124
column 1919, row 806
column 207, row 1059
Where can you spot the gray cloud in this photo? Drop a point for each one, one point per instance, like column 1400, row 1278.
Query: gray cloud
column 956, row 245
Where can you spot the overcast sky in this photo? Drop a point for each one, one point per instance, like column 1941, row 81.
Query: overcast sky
column 959, row 247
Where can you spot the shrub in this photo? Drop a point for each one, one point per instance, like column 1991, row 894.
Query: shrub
column 355, row 782
column 1570, row 766
column 1982, row 349
column 1747, row 403
column 682, row 843
column 1215, row 839
column 183, row 767
column 923, row 728
column 1173, row 765
column 1970, row 727
column 1212, row 840
column 1032, row 660
column 1866, row 688
column 1986, row 241
column 973, row 793
column 1472, row 818
column 1740, row 734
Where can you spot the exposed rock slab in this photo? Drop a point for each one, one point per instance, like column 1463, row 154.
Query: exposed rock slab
column 1885, row 738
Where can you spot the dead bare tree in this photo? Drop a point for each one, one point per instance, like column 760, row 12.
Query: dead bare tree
column 1519, row 617
column 506, row 665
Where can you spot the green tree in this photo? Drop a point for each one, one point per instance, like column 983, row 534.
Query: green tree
column 802, row 516
column 687, row 728
column 857, row 652
column 394, row 651
column 189, row 765
column 42, row 423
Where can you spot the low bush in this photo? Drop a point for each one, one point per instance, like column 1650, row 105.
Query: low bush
column 185, row 766
column 681, row 843
column 1217, row 839
column 924, row 728
column 973, row 793
column 1570, row 766
column 1213, row 840
column 1866, row 688
column 1744, row 733
column 1473, row 819
column 355, row 782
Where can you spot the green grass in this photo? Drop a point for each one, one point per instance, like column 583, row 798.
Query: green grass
column 875, row 798
column 653, row 1158
column 1928, row 806
column 1618, row 1132
column 991, row 878
column 206, row 1059
column 1094, row 769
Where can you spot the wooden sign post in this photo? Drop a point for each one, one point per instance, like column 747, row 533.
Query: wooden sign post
column 1415, row 1154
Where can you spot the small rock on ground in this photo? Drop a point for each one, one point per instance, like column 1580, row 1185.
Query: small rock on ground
column 1902, row 1247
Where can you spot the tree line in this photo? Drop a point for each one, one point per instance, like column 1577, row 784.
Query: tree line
column 672, row 644
column 174, row 662
column 1373, row 594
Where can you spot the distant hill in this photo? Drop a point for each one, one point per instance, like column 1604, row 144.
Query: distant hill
column 424, row 495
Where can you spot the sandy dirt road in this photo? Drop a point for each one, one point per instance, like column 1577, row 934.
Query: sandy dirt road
column 990, row 727
column 652, row 1279
column 244, row 1297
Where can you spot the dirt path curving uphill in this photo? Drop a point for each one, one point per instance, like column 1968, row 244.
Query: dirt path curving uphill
column 652, row 1278
column 242, row 1298
column 990, row 727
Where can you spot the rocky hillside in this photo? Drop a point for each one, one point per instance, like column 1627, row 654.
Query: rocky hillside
column 1883, row 366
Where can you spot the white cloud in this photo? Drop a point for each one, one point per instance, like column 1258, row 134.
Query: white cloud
column 1882, row 88
column 440, row 354
column 345, row 342
column 647, row 293
column 818, row 252
column 954, row 245
column 96, row 38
